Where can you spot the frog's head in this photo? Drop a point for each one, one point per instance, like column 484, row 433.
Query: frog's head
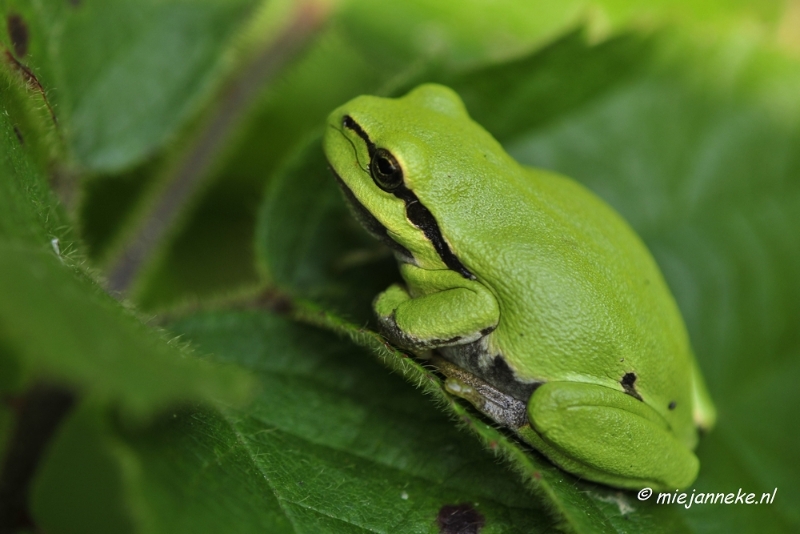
column 403, row 162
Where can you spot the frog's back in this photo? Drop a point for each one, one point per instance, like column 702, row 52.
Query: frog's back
column 581, row 297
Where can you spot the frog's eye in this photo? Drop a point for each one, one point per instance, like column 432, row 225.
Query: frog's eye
column 385, row 170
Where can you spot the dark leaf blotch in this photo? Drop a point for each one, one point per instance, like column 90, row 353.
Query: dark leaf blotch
column 459, row 519
column 19, row 135
column 18, row 32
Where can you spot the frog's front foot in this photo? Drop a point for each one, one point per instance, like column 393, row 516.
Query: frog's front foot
column 385, row 306
column 449, row 311
column 607, row 436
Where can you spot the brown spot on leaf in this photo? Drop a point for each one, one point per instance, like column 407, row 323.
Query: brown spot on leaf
column 18, row 31
column 19, row 135
column 274, row 301
column 672, row 405
column 459, row 519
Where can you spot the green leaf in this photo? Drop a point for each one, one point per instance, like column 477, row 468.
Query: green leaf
column 467, row 33
column 28, row 209
column 188, row 472
column 581, row 506
column 332, row 443
column 56, row 323
column 94, row 464
column 122, row 75
column 322, row 255
column 334, row 432
column 513, row 98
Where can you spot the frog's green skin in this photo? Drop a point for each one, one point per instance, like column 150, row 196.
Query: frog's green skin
column 550, row 313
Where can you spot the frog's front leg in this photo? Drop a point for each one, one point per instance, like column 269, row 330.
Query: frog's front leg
column 441, row 308
column 606, row 435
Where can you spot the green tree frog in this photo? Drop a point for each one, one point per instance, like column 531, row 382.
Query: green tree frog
column 537, row 301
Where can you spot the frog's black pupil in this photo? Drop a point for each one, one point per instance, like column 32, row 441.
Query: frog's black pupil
column 385, row 166
column 385, row 170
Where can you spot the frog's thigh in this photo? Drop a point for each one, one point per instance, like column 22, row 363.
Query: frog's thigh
column 460, row 313
column 608, row 436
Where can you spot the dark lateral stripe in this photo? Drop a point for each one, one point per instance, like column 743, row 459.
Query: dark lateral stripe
column 422, row 218
column 350, row 124
column 417, row 213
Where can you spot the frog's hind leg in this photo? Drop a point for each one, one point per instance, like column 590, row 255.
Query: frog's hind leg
column 607, row 436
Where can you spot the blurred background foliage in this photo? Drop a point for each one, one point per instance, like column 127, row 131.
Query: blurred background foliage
column 176, row 262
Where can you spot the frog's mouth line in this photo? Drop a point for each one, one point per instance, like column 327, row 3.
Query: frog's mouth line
column 371, row 224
